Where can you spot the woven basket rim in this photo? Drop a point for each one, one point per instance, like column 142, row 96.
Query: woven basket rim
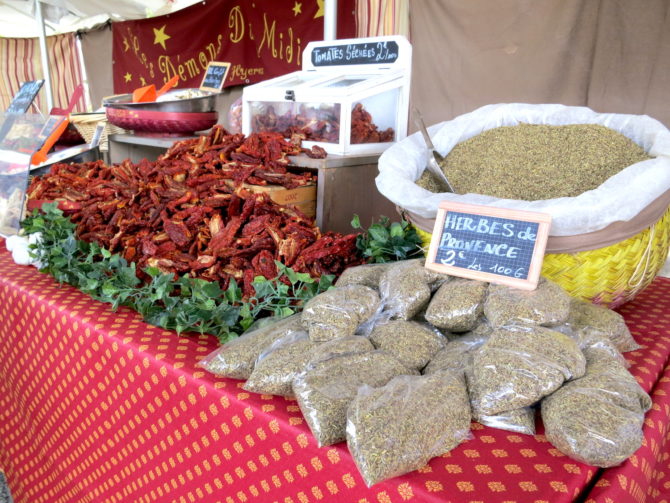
column 612, row 234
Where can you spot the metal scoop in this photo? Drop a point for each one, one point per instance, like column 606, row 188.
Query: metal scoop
column 434, row 157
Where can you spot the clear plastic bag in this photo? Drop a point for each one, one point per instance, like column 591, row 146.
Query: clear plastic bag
column 598, row 418
column 454, row 357
column 405, row 288
column 366, row 274
column 519, row 365
column 521, row 420
column 518, row 420
column 325, row 389
column 236, row 358
column 280, row 363
column 235, row 117
column 596, row 346
column 338, row 311
column 457, row 305
column 340, row 346
column 547, row 305
column 457, row 357
column 399, row 427
column 586, row 318
column 412, row 343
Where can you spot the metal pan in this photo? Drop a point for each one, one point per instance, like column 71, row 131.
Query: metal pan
column 204, row 101
column 77, row 154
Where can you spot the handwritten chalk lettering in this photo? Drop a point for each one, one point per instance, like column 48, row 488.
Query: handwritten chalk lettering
column 215, row 76
column 489, row 244
column 355, row 54
column 451, row 256
column 527, row 234
column 25, row 96
column 479, row 246
column 481, row 226
column 519, row 272
column 330, row 54
column 359, row 52
column 385, row 53
column 474, row 265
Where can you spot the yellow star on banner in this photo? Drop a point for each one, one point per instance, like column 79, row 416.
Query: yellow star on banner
column 319, row 12
column 160, row 36
column 127, row 77
column 126, row 45
column 297, row 8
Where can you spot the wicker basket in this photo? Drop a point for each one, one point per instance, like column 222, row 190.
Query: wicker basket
column 611, row 275
column 86, row 124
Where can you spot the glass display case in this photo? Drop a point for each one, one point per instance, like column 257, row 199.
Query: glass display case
column 351, row 97
column 22, row 136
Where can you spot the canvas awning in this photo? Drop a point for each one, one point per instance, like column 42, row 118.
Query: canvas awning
column 17, row 17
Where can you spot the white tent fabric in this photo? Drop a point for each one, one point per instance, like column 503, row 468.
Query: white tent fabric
column 17, row 17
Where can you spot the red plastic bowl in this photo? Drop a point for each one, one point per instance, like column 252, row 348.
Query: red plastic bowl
column 161, row 122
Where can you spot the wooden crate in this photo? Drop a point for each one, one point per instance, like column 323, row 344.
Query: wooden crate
column 304, row 198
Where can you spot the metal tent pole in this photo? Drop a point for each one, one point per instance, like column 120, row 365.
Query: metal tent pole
column 44, row 55
column 330, row 20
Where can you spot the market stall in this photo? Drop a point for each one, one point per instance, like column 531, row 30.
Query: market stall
column 226, row 321
column 192, row 244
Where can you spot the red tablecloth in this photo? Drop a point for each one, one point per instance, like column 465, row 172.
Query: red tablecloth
column 97, row 406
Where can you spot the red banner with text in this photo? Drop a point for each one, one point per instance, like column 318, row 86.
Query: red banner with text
column 261, row 39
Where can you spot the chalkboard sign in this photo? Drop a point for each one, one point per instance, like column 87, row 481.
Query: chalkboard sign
column 366, row 53
column 489, row 244
column 215, row 76
column 24, row 97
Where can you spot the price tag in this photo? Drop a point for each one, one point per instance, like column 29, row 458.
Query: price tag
column 25, row 96
column 496, row 245
column 364, row 53
column 215, row 76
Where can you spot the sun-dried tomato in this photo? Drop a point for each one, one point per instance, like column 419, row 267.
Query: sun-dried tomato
column 182, row 215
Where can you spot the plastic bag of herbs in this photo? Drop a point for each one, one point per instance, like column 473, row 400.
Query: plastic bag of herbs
column 406, row 287
column 598, row 418
column 281, row 362
column 457, row 357
column 520, row 364
column 399, row 427
column 326, row 387
column 237, row 358
column 339, row 311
